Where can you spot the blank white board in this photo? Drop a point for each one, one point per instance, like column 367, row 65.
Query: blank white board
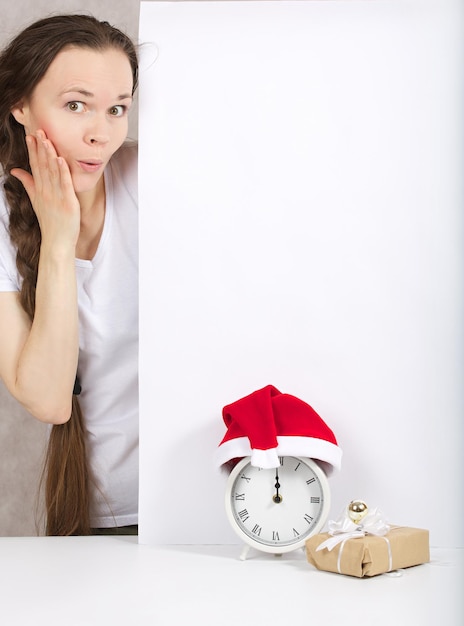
column 301, row 226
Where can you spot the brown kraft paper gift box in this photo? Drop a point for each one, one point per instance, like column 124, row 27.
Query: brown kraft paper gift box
column 371, row 555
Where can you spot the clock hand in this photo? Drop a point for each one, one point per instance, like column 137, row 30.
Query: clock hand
column 277, row 497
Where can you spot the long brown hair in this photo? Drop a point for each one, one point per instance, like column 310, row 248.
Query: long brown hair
column 23, row 63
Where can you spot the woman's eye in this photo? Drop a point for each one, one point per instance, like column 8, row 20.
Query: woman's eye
column 75, row 107
column 118, row 110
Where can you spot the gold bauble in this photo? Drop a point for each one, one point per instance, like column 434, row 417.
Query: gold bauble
column 357, row 509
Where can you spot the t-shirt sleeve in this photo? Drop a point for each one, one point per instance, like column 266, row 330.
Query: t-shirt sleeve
column 8, row 282
column 9, row 276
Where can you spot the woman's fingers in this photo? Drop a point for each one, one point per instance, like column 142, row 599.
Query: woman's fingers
column 29, row 182
column 51, row 190
column 26, row 179
column 50, row 173
column 44, row 166
column 37, row 161
column 65, row 177
column 32, row 148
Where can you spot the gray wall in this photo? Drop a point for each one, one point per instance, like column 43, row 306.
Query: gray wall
column 22, row 438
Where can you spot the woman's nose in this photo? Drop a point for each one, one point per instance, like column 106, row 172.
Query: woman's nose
column 97, row 133
column 96, row 138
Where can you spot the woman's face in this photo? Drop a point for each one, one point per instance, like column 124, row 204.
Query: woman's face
column 81, row 104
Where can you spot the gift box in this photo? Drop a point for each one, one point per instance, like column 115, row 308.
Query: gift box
column 370, row 555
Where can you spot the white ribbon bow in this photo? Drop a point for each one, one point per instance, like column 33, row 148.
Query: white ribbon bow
column 344, row 528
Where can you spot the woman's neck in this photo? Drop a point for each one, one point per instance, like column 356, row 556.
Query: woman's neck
column 92, row 220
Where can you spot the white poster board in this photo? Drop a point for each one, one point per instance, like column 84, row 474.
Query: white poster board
column 301, row 226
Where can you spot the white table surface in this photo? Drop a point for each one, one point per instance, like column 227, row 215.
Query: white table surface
column 85, row 581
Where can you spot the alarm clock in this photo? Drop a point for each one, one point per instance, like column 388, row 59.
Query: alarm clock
column 277, row 510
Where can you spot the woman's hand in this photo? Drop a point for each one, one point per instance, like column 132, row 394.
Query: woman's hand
column 51, row 192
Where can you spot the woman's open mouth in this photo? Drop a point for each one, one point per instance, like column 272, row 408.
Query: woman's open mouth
column 90, row 166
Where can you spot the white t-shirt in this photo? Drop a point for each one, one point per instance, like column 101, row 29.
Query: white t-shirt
column 108, row 343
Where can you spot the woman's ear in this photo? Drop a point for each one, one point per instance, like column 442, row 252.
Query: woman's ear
column 19, row 112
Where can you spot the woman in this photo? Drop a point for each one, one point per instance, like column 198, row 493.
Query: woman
column 68, row 262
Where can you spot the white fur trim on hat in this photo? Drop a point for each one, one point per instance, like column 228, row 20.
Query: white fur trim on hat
column 311, row 447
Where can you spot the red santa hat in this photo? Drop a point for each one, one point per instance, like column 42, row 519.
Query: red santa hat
column 267, row 424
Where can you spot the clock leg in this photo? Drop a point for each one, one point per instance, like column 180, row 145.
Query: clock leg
column 244, row 553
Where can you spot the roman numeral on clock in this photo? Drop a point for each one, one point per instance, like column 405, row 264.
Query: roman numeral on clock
column 240, row 496
column 256, row 530
column 275, row 536
column 315, row 500
column 243, row 515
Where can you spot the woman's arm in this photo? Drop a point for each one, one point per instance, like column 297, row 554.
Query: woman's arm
column 38, row 361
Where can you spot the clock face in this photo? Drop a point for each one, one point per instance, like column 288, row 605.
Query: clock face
column 276, row 510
